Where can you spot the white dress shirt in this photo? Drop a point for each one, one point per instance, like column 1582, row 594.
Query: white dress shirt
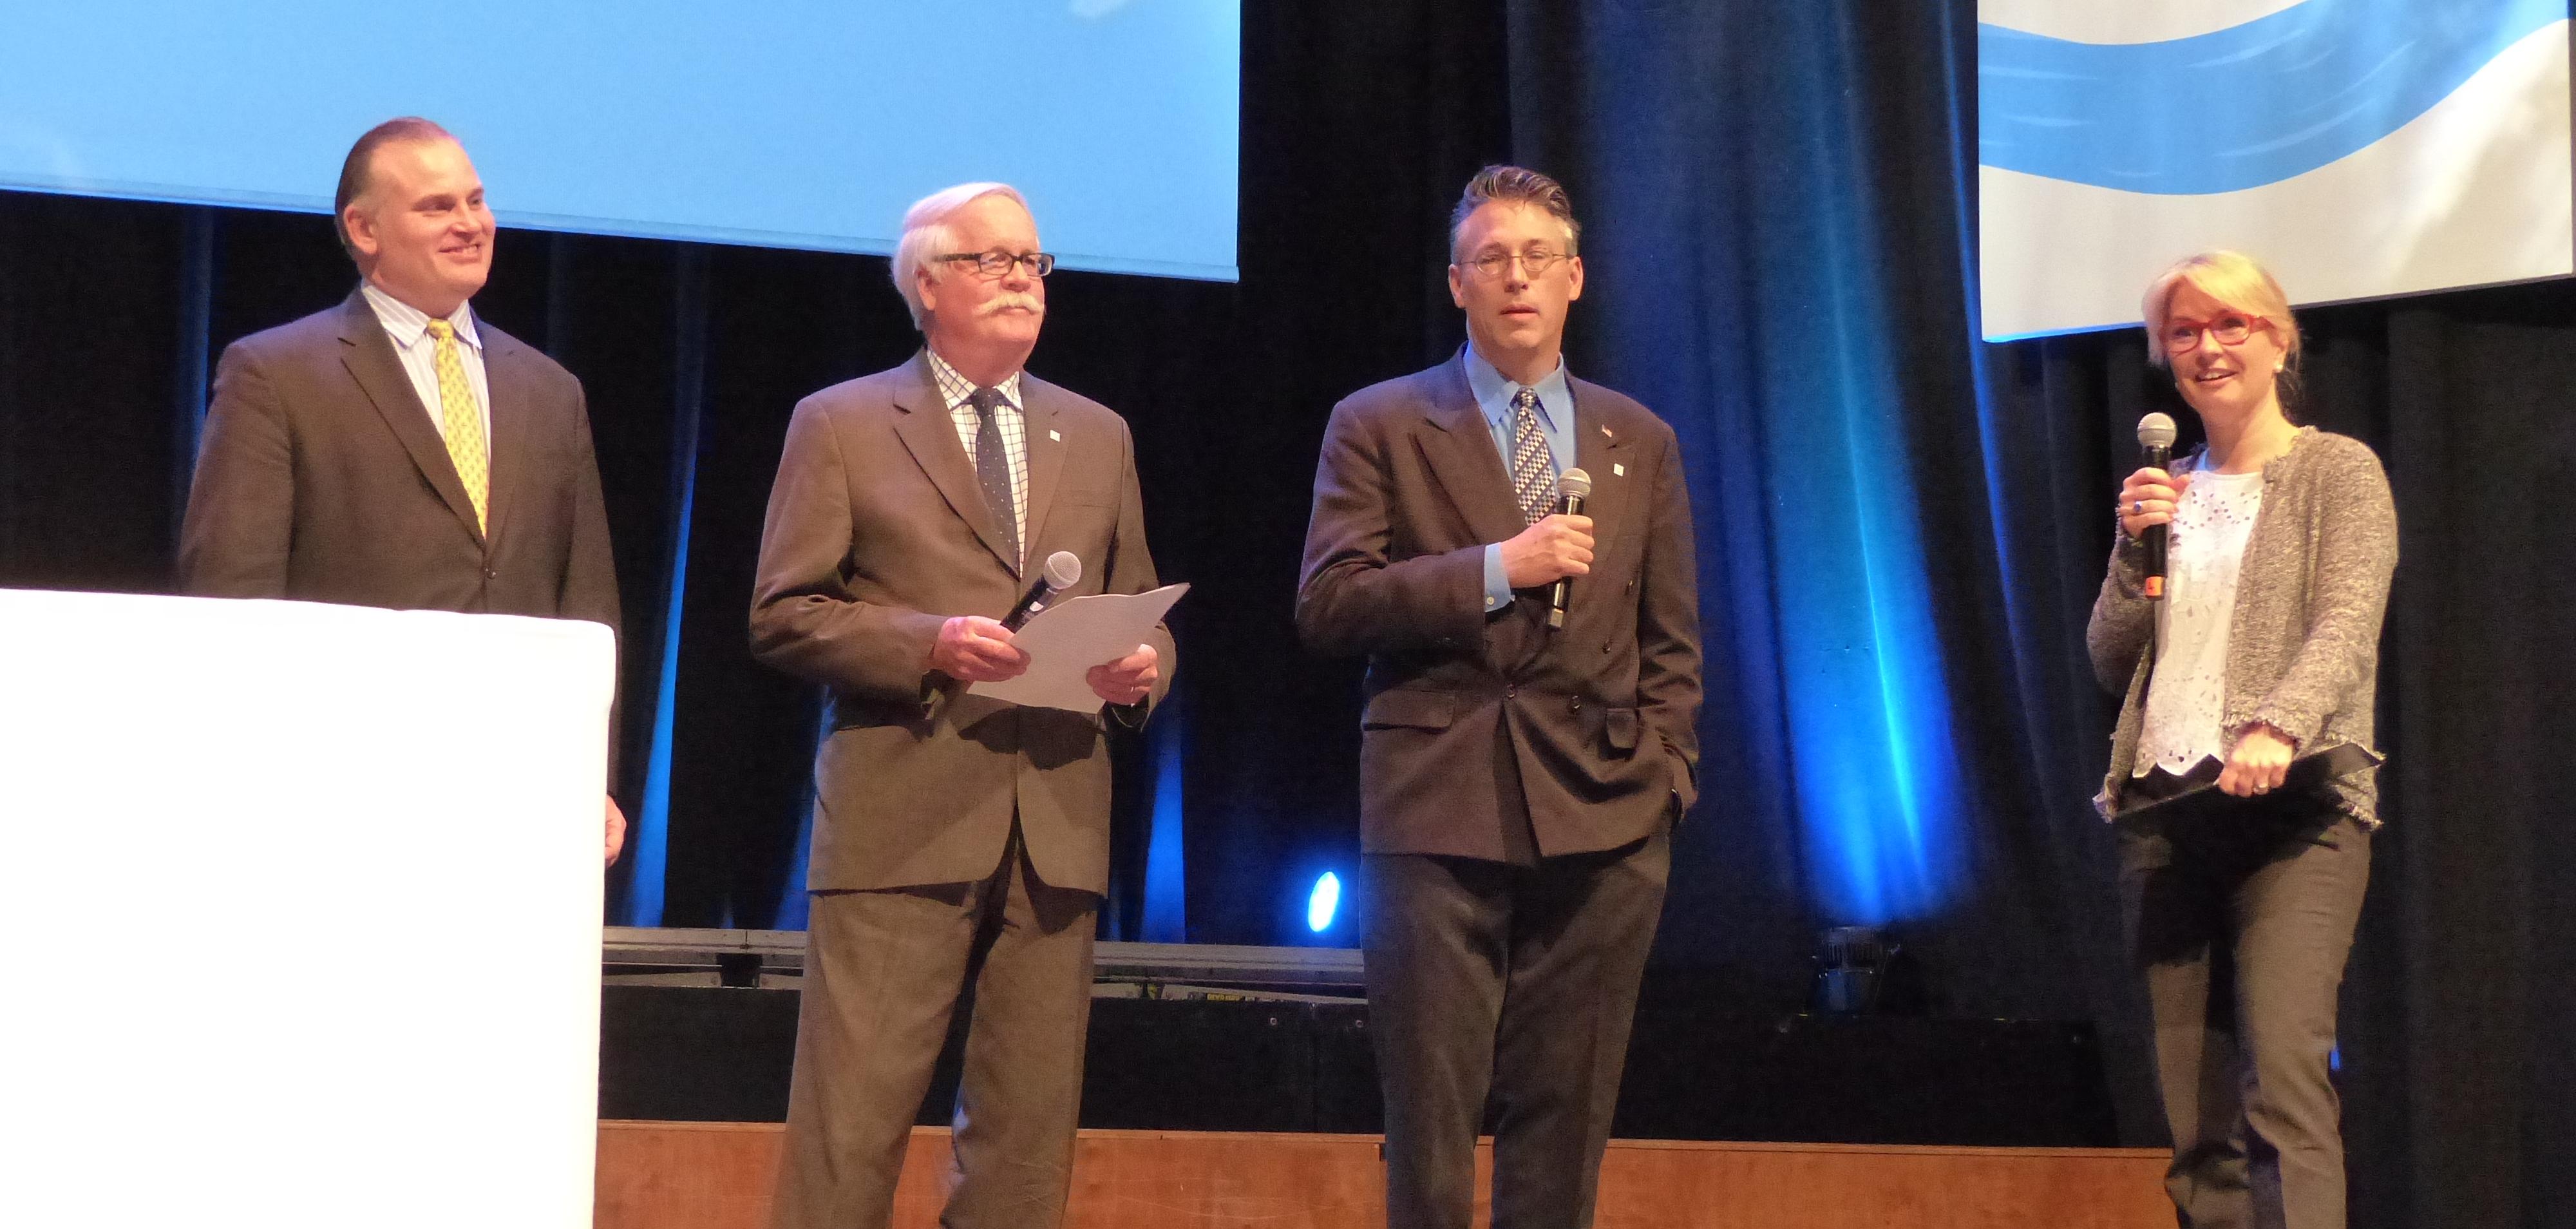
column 408, row 326
column 957, row 390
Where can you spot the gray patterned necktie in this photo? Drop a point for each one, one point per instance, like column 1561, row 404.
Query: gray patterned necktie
column 1533, row 465
column 993, row 470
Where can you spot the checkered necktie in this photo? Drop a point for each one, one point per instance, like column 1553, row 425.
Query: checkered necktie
column 993, row 469
column 1533, row 466
column 460, row 418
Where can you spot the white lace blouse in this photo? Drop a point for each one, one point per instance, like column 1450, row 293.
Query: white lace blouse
column 2188, row 691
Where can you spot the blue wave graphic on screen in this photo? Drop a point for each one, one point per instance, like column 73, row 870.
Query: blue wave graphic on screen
column 2237, row 108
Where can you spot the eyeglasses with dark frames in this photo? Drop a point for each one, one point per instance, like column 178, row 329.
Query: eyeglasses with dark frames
column 998, row 263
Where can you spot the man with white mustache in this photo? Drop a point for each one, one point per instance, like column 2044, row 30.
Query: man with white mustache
column 961, row 845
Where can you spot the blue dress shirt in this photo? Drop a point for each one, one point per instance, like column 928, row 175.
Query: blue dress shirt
column 1494, row 392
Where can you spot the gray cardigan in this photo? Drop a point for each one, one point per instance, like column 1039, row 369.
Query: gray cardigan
column 2303, row 643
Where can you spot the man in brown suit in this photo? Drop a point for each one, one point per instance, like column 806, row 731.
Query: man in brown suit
column 960, row 844
column 1518, row 782
column 397, row 450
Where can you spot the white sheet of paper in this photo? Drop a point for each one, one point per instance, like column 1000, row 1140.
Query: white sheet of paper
column 1067, row 639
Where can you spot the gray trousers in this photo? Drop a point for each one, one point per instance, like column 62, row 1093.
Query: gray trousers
column 2241, row 926
column 1518, row 981
column 883, row 972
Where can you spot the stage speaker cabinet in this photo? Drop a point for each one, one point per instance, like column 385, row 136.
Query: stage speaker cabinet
column 1697, row 1069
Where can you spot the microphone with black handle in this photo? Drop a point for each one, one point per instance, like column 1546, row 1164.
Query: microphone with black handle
column 2155, row 451
column 1063, row 571
column 1571, row 490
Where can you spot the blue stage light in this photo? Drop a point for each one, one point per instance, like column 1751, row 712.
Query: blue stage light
column 1167, row 887
column 1323, row 901
column 649, row 840
column 1864, row 701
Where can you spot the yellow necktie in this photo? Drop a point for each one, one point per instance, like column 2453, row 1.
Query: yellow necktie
column 461, row 418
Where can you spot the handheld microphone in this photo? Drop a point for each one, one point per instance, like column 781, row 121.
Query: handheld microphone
column 2155, row 451
column 1571, row 490
column 1063, row 571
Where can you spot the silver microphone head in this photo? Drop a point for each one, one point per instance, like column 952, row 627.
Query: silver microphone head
column 1576, row 483
column 1063, row 570
column 2156, row 431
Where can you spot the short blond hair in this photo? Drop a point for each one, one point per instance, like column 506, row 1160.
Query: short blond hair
column 2232, row 278
column 1514, row 185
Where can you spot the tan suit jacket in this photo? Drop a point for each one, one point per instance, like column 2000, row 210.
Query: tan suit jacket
column 877, row 534
column 321, row 478
column 1602, row 713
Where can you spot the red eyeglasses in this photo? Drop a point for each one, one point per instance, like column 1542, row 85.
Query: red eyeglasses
column 2183, row 336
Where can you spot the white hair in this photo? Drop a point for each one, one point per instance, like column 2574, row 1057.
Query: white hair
column 925, row 234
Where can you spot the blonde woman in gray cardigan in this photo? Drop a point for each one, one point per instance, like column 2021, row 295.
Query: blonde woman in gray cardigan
column 2265, row 648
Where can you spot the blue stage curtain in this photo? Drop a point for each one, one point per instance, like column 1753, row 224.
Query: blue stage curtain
column 1777, row 237
column 1902, row 529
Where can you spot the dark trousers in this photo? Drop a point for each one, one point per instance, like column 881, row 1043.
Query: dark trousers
column 2241, row 922
column 1514, row 981
column 883, row 972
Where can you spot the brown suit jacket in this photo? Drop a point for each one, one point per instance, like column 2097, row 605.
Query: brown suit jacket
column 1602, row 713
column 877, row 534
column 322, row 478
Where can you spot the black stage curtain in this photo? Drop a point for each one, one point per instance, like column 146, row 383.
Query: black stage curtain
column 1359, row 123
column 1752, row 174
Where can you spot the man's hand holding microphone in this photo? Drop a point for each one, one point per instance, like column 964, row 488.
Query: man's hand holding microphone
column 974, row 649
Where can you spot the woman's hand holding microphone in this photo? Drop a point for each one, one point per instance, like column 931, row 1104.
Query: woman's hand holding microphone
column 2148, row 498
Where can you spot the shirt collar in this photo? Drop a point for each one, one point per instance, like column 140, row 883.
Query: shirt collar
column 955, row 388
column 1494, row 391
column 407, row 324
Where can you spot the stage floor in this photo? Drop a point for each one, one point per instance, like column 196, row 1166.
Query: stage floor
column 695, row 1175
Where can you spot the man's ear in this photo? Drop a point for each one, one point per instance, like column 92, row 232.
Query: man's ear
column 361, row 230
column 925, row 285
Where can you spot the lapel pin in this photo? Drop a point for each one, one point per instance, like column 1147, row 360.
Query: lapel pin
column 1617, row 470
column 1057, row 436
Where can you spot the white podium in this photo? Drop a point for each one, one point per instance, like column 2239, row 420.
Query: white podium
column 303, row 909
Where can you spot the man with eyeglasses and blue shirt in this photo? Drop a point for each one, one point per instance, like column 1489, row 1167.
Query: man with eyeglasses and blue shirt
column 961, row 844
column 1519, row 778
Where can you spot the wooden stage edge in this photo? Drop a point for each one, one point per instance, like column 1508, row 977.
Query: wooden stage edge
column 690, row 1175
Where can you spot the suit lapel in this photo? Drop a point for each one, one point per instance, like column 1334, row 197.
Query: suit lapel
column 1602, row 453
column 1461, row 451
column 510, row 427
column 369, row 356
column 922, row 423
column 1046, row 456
